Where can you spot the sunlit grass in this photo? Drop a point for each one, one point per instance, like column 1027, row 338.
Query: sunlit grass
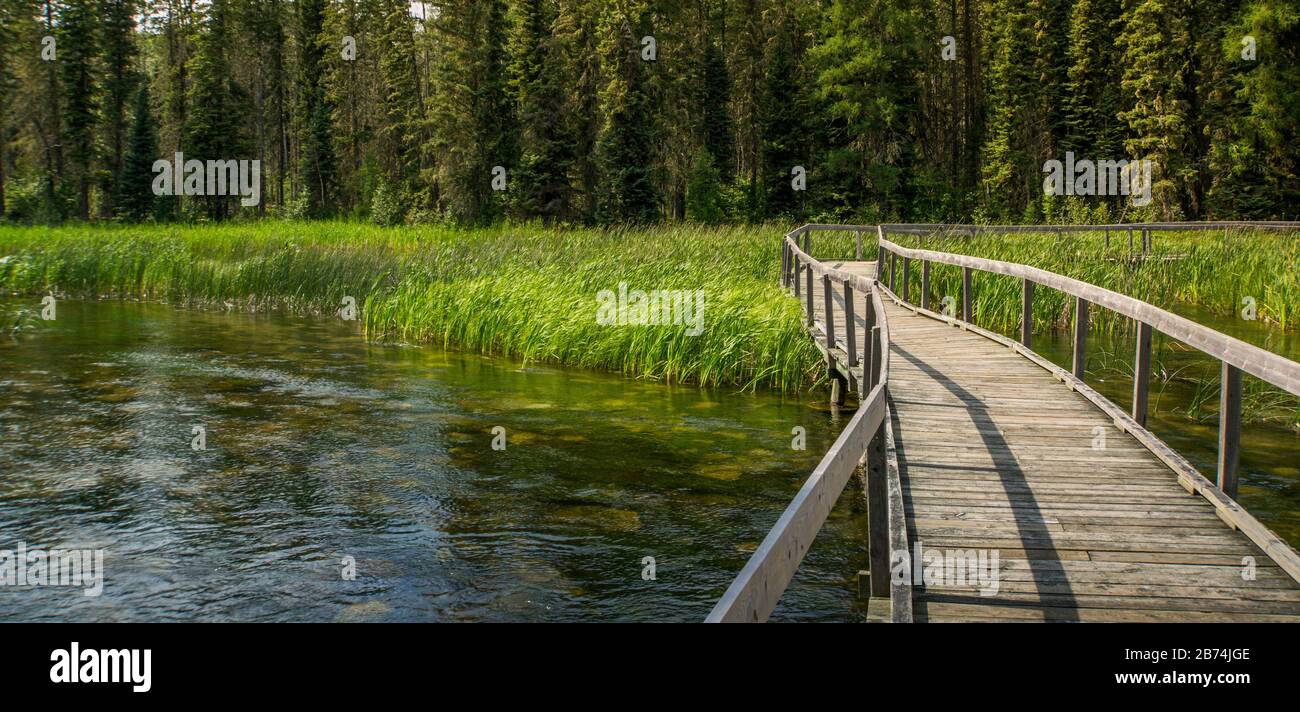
column 520, row 291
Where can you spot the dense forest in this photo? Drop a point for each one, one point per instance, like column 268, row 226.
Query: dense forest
column 629, row 111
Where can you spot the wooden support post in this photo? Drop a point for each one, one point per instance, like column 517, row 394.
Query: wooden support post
column 925, row 284
column 878, row 514
column 893, row 271
column 807, row 243
column 857, row 245
column 1027, row 313
column 828, row 306
column 1080, row 336
column 808, row 287
column 1130, row 242
column 907, row 280
column 1142, row 373
column 850, row 326
column 873, row 378
column 1106, row 248
column 1229, row 429
column 966, row 295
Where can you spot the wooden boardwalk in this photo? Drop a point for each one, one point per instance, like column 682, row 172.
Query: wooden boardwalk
column 997, row 454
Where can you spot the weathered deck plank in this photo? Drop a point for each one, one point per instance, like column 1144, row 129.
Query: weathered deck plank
column 996, row 454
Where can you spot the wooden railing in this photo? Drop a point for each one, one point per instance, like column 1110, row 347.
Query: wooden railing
column 866, row 439
column 1236, row 356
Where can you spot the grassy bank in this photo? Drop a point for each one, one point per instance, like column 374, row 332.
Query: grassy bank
column 524, row 292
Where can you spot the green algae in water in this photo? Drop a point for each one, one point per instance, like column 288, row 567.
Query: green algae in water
column 321, row 445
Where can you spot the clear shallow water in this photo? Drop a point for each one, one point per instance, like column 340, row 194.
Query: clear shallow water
column 320, row 446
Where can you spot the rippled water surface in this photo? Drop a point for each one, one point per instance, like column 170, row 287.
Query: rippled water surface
column 321, row 446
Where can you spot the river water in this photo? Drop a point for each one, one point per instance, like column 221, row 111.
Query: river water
column 320, row 446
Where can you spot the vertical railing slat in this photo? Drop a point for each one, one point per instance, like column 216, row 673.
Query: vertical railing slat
column 1142, row 373
column 966, row 315
column 925, row 284
column 1080, row 354
column 1229, row 429
column 1027, row 313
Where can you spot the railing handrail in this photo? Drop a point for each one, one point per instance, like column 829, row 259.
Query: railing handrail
column 1237, row 357
column 1265, row 365
column 925, row 228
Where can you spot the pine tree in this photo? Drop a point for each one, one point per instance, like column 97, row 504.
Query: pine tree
column 78, row 25
column 869, row 85
column 1255, row 163
column 575, row 27
column 718, row 129
column 626, row 145
column 318, row 170
column 118, row 47
column 214, row 123
column 1092, row 104
column 135, row 197
column 542, row 186
column 782, row 120
column 704, row 190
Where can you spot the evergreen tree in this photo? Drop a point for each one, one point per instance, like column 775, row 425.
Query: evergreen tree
column 704, row 190
column 78, row 26
column 782, row 120
column 119, row 50
column 718, row 129
column 217, row 105
column 542, row 187
column 1092, row 105
column 869, row 73
column 1254, row 158
column 316, row 142
column 626, row 146
column 135, row 197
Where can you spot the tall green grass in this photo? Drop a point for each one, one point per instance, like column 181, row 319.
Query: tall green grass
column 526, row 292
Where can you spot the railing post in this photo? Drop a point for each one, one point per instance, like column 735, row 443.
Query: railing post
column 850, row 326
column 1229, row 429
column 828, row 306
column 1106, row 246
column 893, row 271
column 925, row 284
column 808, row 287
column 966, row 295
column 878, row 514
column 907, row 279
column 857, row 242
column 873, row 378
column 1027, row 313
column 1142, row 373
column 785, row 263
column 880, row 265
column 1080, row 336
column 807, row 243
